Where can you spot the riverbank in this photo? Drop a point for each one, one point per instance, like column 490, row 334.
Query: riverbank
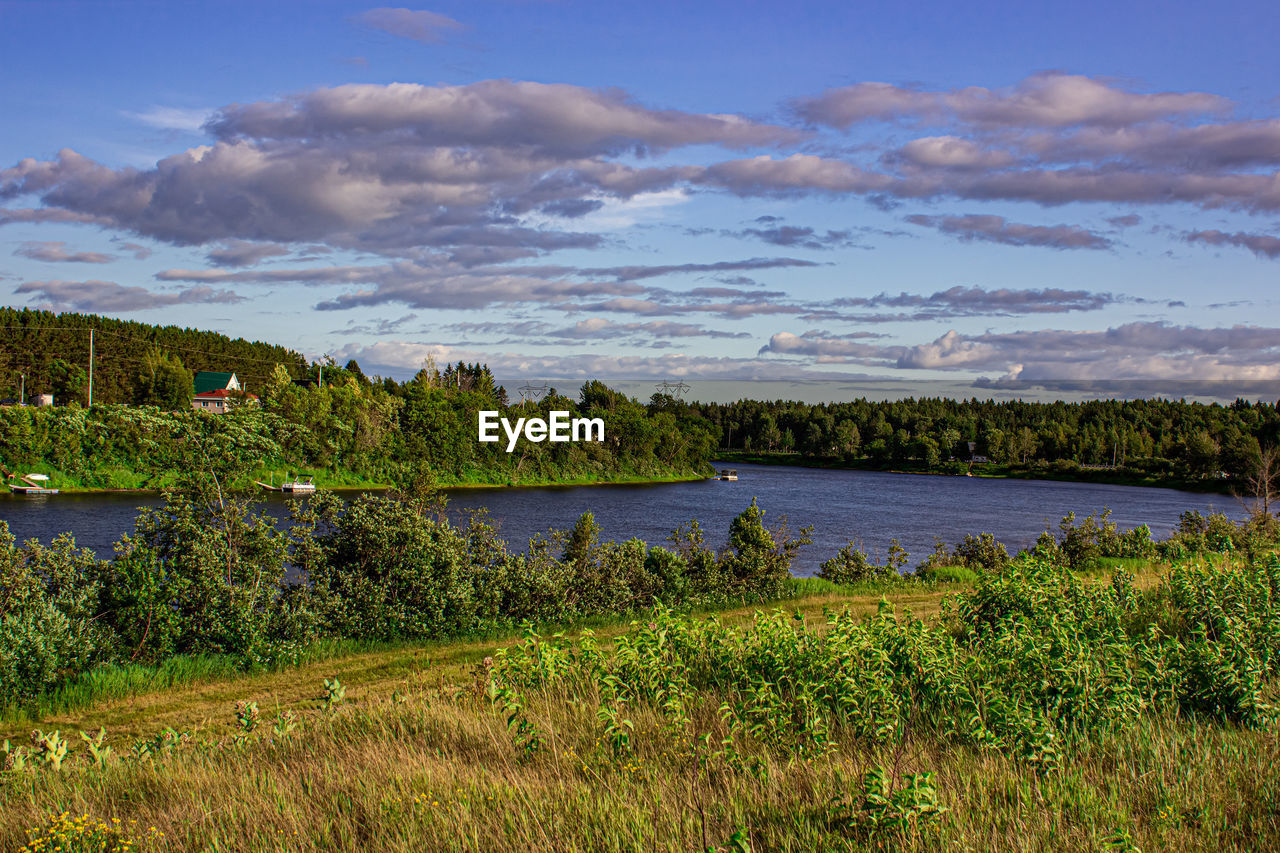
column 124, row 481
column 1054, row 473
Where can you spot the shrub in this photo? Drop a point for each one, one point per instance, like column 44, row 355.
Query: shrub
column 980, row 552
column 850, row 565
column 48, row 601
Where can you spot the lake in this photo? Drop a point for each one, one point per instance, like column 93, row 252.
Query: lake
column 868, row 507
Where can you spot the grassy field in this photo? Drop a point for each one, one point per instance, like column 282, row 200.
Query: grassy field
column 418, row 750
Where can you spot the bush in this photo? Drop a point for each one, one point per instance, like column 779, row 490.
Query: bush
column 980, row 552
column 48, row 604
column 850, row 565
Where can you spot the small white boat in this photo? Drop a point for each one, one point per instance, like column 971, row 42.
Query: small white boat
column 31, row 484
column 297, row 485
column 730, row 474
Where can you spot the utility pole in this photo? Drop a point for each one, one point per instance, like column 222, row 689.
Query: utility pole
column 91, row 368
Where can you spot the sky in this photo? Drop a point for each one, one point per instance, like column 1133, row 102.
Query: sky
column 758, row 199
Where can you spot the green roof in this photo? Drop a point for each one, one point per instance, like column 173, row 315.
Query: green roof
column 208, row 380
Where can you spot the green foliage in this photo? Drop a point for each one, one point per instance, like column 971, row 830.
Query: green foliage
column 163, row 382
column 53, row 351
column 981, row 552
column 1034, row 662
column 49, row 749
column 246, row 716
column 334, row 692
column 96, row 744
column 1157, row 439
column 850, row 565
column 1085, row 545
column 880, row 808
column 48, row 609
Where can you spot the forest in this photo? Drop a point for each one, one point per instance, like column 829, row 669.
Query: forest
column 52, row 351
column 1158, row 439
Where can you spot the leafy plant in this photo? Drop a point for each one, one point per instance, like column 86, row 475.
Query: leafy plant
column 96, row 744
column 334, row 692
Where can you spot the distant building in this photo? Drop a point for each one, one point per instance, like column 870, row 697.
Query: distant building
column 44, row 400
column 210, row 380
column 215, row 392
column 219, row 400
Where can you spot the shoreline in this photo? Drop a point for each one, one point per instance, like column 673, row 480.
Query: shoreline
column 1100, row 477
column 445, row 487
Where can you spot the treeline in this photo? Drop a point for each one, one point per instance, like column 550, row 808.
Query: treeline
column 353, row 430
column 1159, row 438
column 52, row 350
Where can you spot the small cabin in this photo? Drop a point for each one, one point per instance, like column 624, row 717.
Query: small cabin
column 219, row 400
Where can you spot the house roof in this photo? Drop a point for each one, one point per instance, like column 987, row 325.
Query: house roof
column 209, row 380
column 221, row 394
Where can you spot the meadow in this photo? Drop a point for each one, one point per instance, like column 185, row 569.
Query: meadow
column 1064, row 699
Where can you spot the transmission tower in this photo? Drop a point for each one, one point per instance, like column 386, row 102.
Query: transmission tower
column 673, row 389
column 532, row 393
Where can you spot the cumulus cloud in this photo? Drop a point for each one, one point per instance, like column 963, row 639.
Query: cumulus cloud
column 437, row 283
column 1263, row 245
column 1153, row 350
column 996, row 229
column 139, row 251
column 405, row 357
column 637, row 272
column 603, row 329
column 173, row 118
column 824, row 347
column 55, row 251
column 1229, row 145
column 241, row 253
column 1128, row 220
column 960, row 301
column 1047, row 99
column 110, row 297
column 545, row 117
column 418, row 25
column 1134, row 351
column 951, row 152
column 798, row 236
column 493, row 172
column 377, row 327
column 390, row 168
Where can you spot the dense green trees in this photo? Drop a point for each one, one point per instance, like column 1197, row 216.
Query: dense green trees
column 162, row 381
column 355, row 429
column 1157, row 438
column 52, row 350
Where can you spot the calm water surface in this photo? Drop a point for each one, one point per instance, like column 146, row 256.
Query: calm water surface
column 866, row 506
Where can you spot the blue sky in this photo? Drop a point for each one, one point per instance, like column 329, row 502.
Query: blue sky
column 1008, row 195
